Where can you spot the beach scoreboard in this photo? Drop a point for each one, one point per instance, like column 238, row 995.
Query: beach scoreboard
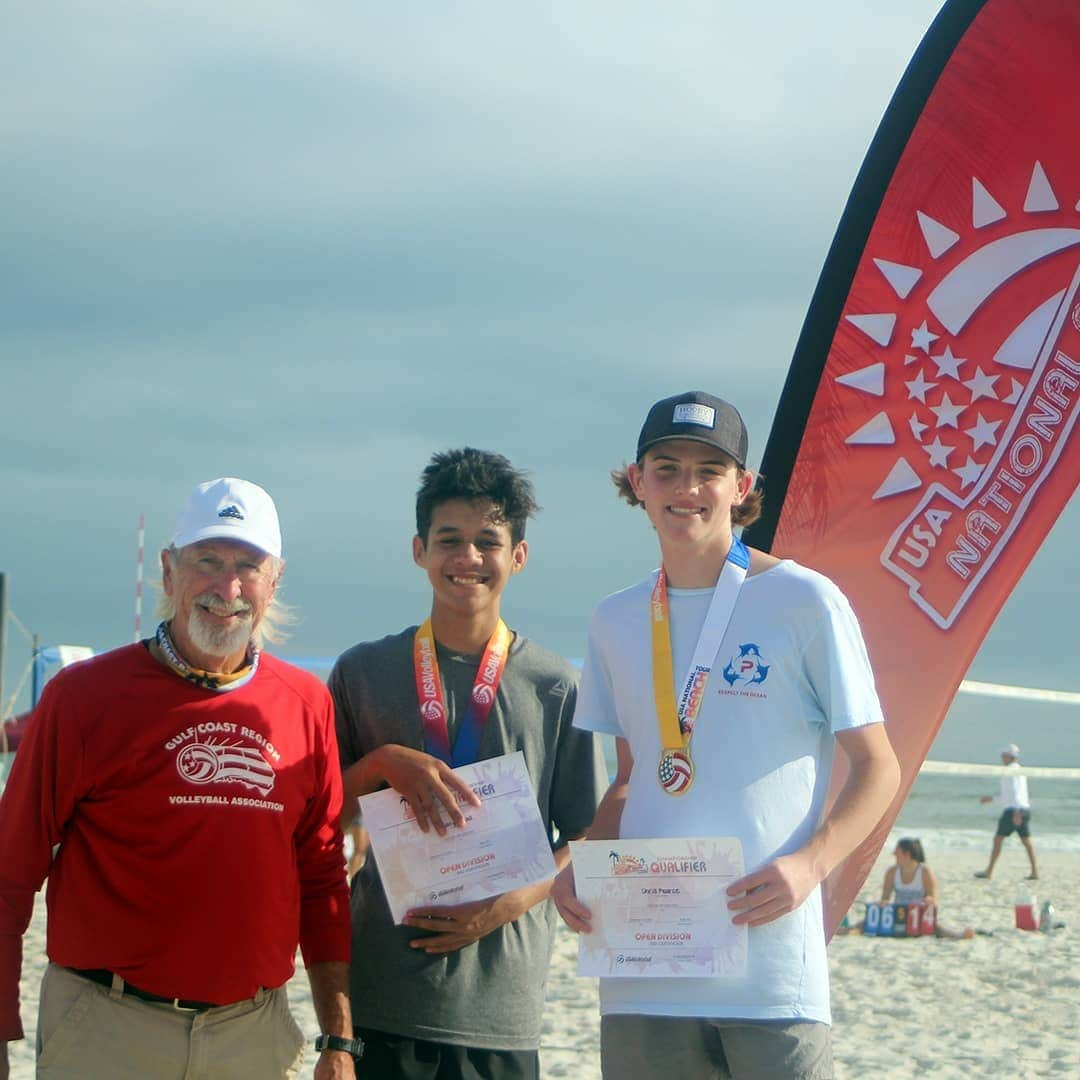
column 899, row 920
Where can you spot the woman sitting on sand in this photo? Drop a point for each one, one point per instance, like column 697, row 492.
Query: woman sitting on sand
column 911, row 881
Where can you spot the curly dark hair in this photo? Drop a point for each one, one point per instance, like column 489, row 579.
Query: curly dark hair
column 746, row 513
column 476, row 475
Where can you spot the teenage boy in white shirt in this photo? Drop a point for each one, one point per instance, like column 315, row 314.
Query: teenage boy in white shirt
column 790, row 677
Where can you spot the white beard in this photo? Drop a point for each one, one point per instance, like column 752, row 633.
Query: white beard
column 218, row 640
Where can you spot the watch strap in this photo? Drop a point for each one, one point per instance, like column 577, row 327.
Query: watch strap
column 339, row 1042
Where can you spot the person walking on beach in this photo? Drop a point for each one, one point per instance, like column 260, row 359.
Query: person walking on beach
column 1015, row 814
column 189, row 787
column 748, row 756
column 457, row 991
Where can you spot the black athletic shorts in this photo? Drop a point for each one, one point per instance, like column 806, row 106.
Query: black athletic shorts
column 397, row 1057
column 1006, row 825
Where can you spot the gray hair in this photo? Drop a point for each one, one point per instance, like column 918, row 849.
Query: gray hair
column 275, row 621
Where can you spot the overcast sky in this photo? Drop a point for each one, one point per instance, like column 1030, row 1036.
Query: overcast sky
column 311, row 244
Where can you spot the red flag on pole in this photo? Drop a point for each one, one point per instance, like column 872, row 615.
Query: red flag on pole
column 924, row 443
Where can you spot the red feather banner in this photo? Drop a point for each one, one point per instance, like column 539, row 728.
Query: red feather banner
column 924, row 444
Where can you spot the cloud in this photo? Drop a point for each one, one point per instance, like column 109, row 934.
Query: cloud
column 313, row 244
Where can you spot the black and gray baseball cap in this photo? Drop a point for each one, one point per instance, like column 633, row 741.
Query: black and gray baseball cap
column 699, row 417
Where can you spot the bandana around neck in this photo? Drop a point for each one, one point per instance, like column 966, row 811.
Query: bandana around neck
column 220, row 682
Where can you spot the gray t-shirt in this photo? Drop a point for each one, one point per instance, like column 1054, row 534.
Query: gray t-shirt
column 489, row 995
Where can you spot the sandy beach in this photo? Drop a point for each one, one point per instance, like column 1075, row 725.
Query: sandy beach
column 1005, row 1005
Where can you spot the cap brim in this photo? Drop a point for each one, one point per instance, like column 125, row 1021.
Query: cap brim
column 690, row 438
column 221, row 531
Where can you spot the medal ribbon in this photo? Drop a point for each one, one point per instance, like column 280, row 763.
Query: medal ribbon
column 429, row 693
column 677, row 723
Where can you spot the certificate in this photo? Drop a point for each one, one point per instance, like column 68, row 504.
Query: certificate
column 503, row 845
column 659, row 908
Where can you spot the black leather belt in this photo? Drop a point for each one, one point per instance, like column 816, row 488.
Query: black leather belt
column 105, row 978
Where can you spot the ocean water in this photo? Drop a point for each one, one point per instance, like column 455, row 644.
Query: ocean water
column 944, row 812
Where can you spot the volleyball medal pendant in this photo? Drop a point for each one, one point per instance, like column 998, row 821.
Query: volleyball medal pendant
column 676, row 771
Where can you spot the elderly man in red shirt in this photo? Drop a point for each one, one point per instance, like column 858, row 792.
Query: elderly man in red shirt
column 190, row 788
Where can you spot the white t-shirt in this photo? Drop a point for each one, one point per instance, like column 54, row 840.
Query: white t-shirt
column 791, row 670
column 1014, row 789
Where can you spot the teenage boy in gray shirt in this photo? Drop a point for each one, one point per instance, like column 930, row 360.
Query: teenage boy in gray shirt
column 458, row 991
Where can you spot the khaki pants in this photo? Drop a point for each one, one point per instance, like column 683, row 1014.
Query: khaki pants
column 94, row 1033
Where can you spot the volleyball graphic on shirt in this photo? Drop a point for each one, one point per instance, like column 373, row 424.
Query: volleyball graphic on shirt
column 217, row 763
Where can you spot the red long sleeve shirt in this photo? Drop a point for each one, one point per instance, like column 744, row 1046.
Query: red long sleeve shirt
column 198, row 832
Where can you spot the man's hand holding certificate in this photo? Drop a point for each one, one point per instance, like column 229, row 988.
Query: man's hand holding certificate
column 502, row 846
column 659, row 907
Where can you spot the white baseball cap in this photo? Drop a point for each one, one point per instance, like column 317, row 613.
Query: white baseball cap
column 229, row 509
column 1011, row 749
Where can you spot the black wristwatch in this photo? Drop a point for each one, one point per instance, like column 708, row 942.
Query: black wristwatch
column 338, row 1042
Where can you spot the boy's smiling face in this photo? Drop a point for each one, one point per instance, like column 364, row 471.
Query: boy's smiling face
column 688, row 489
column 469, row 555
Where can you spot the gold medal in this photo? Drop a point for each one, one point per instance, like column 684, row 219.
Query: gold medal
column 676, row 771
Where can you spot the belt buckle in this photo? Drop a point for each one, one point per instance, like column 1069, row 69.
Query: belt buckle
column 176, row 1004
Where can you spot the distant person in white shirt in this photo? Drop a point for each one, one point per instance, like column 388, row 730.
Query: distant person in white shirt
column 1016, row 811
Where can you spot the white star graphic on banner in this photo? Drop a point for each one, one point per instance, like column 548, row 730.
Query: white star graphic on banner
column 947, row 364
column 917, row 426
column 921, row 338
column 969, row 473
column 918, row 387
column 984, row 433
column 982, row 385
column 947, row 412
column 957, row 289
column 938, row 453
